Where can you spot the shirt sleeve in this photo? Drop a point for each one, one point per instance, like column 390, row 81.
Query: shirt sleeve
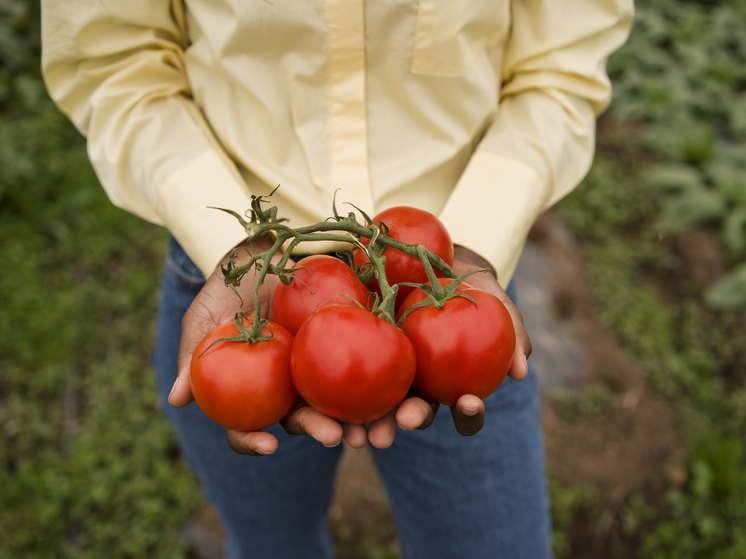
column 540, row 143
column 116, row 68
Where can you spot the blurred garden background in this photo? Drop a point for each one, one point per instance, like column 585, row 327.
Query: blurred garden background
column 648, row 259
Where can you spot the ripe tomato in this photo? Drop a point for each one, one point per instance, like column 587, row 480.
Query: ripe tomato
column 317, row 285
column 351, row 365
column 243, row 386
column 461, row 348
column 409, row 225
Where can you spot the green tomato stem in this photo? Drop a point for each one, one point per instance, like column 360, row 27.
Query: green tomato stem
column 264, row 223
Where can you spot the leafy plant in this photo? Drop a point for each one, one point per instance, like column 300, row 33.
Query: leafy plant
column 592, row 401
column 88, row 467
column 683, row 73
column 569, row 503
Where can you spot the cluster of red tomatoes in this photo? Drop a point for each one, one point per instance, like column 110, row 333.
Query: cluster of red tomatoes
column 347, row 362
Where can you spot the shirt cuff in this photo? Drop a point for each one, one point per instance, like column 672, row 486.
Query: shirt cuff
column 492, row 209
column 205, row 234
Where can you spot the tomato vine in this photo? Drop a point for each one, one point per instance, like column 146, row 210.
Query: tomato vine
column 265, row 223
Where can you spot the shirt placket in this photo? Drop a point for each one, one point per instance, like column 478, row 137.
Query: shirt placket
column 348, row 129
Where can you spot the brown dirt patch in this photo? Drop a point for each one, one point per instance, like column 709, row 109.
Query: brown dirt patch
column 636, row 445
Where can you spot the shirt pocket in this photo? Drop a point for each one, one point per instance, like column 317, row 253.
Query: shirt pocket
column 451, row 34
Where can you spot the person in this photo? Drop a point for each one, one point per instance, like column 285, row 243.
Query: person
column 482, row 113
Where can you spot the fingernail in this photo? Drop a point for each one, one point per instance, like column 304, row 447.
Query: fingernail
column 173, row 388
column 470, row 411
column 333, row 445
column 264, row 452
column 525, row 364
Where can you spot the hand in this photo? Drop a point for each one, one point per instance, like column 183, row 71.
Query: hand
column 468, row 413
column 466, row 261
column 215, row 305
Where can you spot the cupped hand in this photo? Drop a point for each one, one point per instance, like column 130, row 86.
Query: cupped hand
column 215, row 305
column 416, row 412
column 466, row 261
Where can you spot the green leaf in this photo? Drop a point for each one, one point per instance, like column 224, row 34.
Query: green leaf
column 734, row 230
column 701, row 478
column 730, row 292
column 694, row 206
column 729, row 178
column 673, row 177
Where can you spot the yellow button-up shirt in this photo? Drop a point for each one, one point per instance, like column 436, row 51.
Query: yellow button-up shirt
column 480, row 111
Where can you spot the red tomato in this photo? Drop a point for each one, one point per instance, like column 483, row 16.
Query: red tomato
column 351, row 365
column 323, row 278
column 243, row 386
column 411, row 226
column 461, row 348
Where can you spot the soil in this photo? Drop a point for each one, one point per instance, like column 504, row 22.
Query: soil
column 634, row 446
column 639, row 433
column 701, row 252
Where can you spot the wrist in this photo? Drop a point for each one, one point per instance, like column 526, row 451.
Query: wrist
column 471, row 258
column 245, row 249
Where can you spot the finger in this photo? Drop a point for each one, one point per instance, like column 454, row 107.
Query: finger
column 251, row 443
column 307, row 421
column 416, row 413
column 521, row 336
column 194, row 326
column 468, row 415
column 355, row 435
column 519, row 366
column 382, row 431
column 465, row 261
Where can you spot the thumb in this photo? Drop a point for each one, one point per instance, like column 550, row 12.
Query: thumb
column 193, row 328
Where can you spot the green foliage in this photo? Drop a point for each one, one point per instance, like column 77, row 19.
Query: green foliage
column 690, row 352
column 88, row 467
column 730, row 292
column 683, row 72
column 708, row 520
column 374, row 539
column 569, row 505
column 592, row 401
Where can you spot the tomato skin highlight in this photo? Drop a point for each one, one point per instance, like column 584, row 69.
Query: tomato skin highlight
column 351, row 365
column 243, row 386
column 412, row 226
column 461, row 348
column 313, row 287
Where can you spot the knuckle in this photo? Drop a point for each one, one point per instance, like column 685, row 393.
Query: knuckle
column 238, row 444
column 429, row 409
column 295, row 423
column 232, row 442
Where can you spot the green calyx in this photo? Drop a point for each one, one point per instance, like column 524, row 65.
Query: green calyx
column 437, row 294
column 244, row 334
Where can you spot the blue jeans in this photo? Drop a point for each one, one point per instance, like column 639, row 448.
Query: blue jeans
column 451, row 496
